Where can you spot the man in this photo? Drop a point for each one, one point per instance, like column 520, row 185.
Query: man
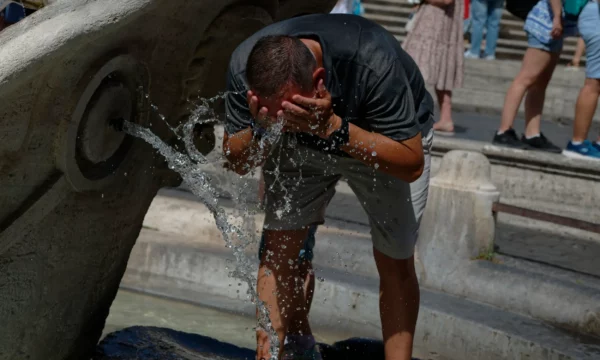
column 351, row 104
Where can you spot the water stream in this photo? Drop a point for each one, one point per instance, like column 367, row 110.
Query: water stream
column 194, row 169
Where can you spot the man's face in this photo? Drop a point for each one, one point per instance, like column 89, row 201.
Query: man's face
column 273, row 103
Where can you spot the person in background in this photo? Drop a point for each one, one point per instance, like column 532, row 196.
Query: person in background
column 342, row 7
column 348, row 7
column 485, row 14
column 544, row 27
column 468, row 17
column 437, row 46
column 589, row 28
column 579, row 51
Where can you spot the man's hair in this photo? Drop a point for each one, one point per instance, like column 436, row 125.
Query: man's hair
column 277, row 62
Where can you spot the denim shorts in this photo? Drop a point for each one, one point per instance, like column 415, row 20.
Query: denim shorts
column 589, row 28
column 554, row 46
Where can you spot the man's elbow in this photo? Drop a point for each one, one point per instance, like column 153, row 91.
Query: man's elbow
column 412, row 172
column 418, row 172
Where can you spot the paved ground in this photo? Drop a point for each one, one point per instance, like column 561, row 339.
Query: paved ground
column 549, row 248
column 482, row 127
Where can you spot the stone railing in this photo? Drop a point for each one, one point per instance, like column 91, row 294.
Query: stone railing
column 456, row 253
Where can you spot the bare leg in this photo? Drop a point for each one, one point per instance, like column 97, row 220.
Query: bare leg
column 445, row 101
column 534, row 102
column 586, row 107
column 535, row 62
column 277, row 275
column 578, row 53
column 399, row 298
column 299, row 323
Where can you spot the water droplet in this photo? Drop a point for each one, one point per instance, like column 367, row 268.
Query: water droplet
column 374, row 153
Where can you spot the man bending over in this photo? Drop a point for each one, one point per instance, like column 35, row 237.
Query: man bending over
column 352, row 104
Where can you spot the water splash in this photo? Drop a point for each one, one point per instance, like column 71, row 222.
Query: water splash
column 192, row 167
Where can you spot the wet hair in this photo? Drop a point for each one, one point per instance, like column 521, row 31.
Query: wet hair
column 279, row 62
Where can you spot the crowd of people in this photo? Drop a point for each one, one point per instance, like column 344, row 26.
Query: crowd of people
column 435, row 42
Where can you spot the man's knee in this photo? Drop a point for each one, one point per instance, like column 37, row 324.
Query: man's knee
column 592, row 86
column 394, row 270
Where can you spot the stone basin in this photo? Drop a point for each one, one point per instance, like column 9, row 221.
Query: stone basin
column 73, row 191
column 152, row 343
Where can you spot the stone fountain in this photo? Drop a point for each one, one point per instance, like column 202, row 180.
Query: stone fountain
column 75, row 192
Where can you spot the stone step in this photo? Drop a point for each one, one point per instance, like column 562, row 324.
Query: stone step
column 454, row 327
column 344, row 245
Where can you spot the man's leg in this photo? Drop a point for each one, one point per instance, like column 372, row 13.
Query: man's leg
column 297, row 193
column 399, row 298
column 299, row 329
column 277, row 290
column 395, row 209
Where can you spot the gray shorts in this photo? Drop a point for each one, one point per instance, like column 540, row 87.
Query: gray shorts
column 300, row 188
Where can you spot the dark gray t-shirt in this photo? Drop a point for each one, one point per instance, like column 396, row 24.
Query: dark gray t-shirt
column 373, row 82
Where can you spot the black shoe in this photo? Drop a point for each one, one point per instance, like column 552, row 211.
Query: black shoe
column 541, row 143
column 509, row 139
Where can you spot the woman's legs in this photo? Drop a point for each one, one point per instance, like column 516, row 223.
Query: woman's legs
column 535, row 62
column 534, row 102
column 479, row 10
column 445, row 100
column 578, row 53
column 587, row 103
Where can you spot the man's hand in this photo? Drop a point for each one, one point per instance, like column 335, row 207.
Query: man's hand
column 311, row 115
column 259, row 114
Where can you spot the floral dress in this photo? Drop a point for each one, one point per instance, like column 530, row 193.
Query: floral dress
column 437, row 46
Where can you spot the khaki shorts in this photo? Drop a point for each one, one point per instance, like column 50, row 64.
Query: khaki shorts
column 300, row 188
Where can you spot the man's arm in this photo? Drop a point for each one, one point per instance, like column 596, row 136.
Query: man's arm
column 243, row 152
column 401, row 159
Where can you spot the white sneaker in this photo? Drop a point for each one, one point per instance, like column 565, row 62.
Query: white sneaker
column 490, row 57
column 470, row 55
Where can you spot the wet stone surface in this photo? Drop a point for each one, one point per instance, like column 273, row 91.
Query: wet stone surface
column 153, row 343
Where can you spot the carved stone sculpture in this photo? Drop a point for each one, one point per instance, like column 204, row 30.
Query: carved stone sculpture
column 74, row 192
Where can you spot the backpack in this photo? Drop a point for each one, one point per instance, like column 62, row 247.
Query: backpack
column 520, row 8
column 573, row 8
